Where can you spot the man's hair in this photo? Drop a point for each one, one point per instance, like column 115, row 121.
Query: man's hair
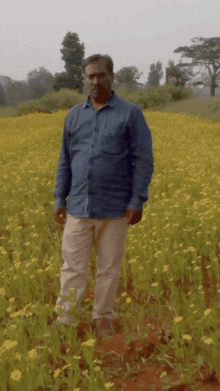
column 96, row 58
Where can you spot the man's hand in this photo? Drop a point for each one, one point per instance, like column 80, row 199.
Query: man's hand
column 60, row 215
column 133, row 216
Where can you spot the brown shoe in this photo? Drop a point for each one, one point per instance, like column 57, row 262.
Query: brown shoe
column 104, row 326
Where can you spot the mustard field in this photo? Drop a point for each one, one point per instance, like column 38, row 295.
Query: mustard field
column 172, row 255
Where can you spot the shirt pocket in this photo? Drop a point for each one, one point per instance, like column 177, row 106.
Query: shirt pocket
column 114, row 142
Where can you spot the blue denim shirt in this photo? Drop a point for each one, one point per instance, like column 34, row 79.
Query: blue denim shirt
column 106, row 160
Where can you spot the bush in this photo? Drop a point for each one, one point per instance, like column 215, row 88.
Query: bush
column 51, row 102
column 62, row 99
column 151, row 97
column 65, row 98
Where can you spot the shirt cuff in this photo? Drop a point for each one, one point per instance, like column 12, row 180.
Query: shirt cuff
column 135, row 203
column 59, row 203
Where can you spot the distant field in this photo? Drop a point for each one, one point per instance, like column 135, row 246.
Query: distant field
column 202, row 107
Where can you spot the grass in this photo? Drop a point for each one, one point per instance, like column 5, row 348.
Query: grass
column 205, row 108
column 170, row 267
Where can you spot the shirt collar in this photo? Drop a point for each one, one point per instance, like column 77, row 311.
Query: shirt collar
column 111, row 101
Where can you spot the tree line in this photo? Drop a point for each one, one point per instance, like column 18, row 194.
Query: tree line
column 204, row 54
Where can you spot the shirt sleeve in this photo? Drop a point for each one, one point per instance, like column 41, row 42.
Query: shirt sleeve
column 141, row 153
column 64, row 172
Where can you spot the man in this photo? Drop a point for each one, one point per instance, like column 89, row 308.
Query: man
column 105, row 167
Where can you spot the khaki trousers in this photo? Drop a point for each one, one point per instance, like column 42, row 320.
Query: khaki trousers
column 109, row 236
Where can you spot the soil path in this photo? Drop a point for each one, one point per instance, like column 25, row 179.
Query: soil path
column 115, row 353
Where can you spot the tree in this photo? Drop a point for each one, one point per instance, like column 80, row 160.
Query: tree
column 155, row 74
column 61, row 80
column 14, row 92
column 73, row 55
column 39, row 82
column 173, row 71
column 127, row 76
column 205, row 53
column 2, row 96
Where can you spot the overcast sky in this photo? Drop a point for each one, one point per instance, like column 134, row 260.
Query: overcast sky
column 136, row 33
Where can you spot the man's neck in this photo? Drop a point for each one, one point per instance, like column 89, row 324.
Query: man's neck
column 96, row 104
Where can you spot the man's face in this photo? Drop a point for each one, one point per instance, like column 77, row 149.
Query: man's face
column 97, row 77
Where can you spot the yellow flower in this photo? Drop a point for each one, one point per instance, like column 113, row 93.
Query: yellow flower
column 208, row 341
column 128, row 300
column 9, row 309
column 97, row 368
column 108, row 385
column 16, row 375
column 18, row 356
column 163, row 374
column 77, row 357
column 165, row 267
column 15, row 314
column 56, row 373
column 158, row 252
column 97, row 361
column 132, row 260
column 85, row 372
column 189, row 249
column 33, row 353
column 7, row 345
column 178, row 319
column 67, row 366
column 90, row 342
column 187, row 337
column 155, row 284
column 12, row 299
column 124, row 294
column 206, row 312
column 2, row 292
